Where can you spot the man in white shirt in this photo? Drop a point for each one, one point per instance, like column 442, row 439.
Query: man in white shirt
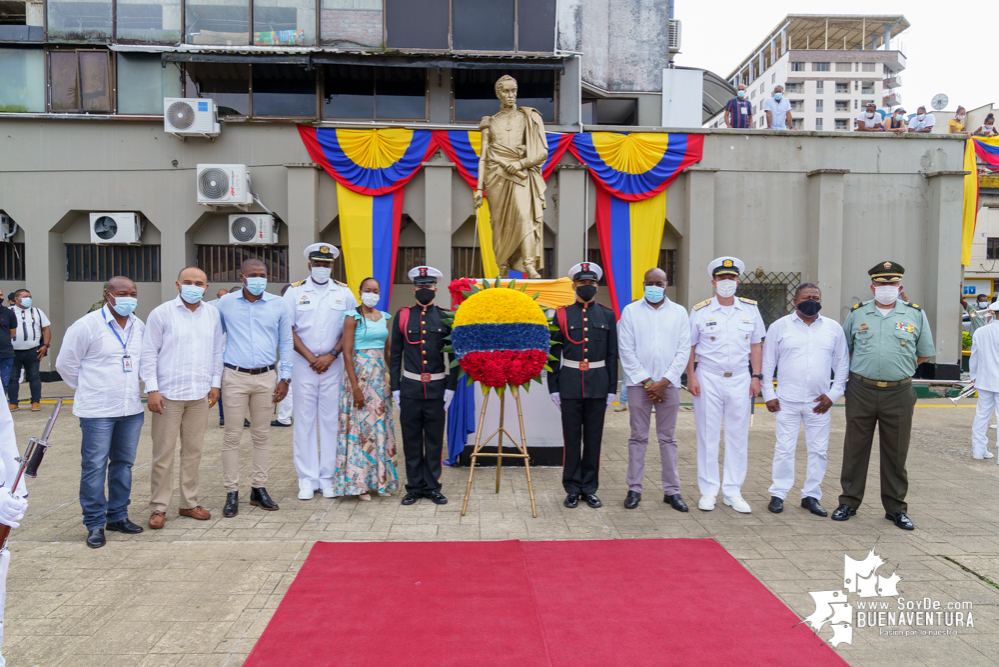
column 13, row 502
column 654, row 344
column 984, row 367
column 182, row 369
column 922, row 122
column 869, row 120
column 99, row 360
column 31, row 343
column 806, row 349
column 778, row 111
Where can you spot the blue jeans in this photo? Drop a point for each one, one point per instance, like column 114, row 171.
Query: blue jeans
column 5, row 366
column 108, row 452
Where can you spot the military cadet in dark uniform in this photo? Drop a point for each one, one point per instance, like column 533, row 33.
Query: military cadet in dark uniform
column 887, row 338
column 583, row 382
column 422, row 386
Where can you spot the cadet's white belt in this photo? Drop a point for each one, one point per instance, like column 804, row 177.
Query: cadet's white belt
column 583, row 365
column 425, row 377
column 718, row 371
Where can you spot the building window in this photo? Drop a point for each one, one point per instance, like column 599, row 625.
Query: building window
column 351, row 23
column 773, row 78
column 842, row 88
column 283, row 90
column 96, row 263
column 818, row 124
column 22, row 86
column 140, row 22
column 844, row 67
column 992, row 248
column 752, row 95
column 221, row 262
column 12, row 261
column 143, row 81
column 482, row 26
column 226, row 83
column 867, row 88
column 407, row 259
column 819, row 106
column 797, row 67
column 475, row 92
column 284, row 22
column 616, row 111
column 218, row 22
column 842, row 105
column 798, row 123
column 842, row 124
column 794, row 88
column 820, row 87
column 820, row 67
column 761, row 88
column 868, row 67
column 80, row 81
column 864, row 103
column 469, row 25
column 74, row 21
column 797, row 105
column 398, row 93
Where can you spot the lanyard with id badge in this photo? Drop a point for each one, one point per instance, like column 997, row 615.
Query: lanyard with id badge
column 126, row 360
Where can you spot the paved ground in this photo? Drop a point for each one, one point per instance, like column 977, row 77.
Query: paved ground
column 200, row 593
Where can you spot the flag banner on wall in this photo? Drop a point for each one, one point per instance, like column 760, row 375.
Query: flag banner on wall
column 371, row 168
column 987, row 150
column 462, row 147
column 631, row 173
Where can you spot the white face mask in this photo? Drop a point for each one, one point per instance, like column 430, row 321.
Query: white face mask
column 725, row 288
column 870, row 115
column 370, row 299
column 321, row 274
column 960, row 117
column 886, row 294
column 920, row 116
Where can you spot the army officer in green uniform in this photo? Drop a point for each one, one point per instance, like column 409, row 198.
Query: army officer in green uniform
column 887, row 339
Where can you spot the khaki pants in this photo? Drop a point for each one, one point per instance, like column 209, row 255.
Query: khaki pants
column 189, row 420
column 246, row 393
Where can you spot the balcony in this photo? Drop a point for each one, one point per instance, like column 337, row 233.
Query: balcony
column 893, row 81
column 896, row 63
column 892, row 99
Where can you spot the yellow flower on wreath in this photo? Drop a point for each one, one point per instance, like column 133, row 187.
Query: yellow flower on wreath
column 499, row 306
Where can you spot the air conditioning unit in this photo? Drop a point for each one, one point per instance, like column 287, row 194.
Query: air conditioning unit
column 190, row 117
column 674, row 35
column 224, row 185
column 115, row 228
column 252, row 229
column 7, row 227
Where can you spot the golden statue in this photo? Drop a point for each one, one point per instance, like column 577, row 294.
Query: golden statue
column 514, row 150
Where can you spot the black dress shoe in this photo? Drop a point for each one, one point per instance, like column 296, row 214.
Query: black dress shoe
column 776, row 505
column 95, row 538
column 843, row 513
column 277, row 423
column 592, row 500
column 676, row 502
column 901, row 520
column 632, row 499
column 221, row 422
column 124, row 526
column 436, row 497
column 812, row 505
column 246, row 423
column 231, row 504
column 260, row 498
column 571, row 501
column 410, row 498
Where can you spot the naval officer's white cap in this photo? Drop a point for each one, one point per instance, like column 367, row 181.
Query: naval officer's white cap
column 424, row 275
column 322, row 251
column 725, row 267
column 586, row 271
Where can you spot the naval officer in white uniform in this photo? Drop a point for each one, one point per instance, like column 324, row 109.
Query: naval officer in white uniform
column 725, row 337
column 318, row 305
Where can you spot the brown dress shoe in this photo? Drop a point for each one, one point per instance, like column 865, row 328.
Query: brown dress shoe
column 157, row 519
column 13, row 406
column 199, row 513
column 36, row 407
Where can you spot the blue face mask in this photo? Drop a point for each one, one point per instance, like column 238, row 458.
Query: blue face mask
column 125, row 305
column 256, row 286
column 191, row 293
column 654, row 294
column 26, row 302
column 741, row 94
column 778, row 96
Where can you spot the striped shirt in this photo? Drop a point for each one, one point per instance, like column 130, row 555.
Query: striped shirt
column 739, row 112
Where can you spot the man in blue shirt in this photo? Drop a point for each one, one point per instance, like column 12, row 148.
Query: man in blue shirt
column 257, row 326
column 739, row 110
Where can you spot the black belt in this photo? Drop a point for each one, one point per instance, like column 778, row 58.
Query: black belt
column 879, row 383
column 252, row 371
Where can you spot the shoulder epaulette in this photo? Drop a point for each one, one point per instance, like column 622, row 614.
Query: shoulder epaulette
column 702, row 304
column 300, row 282
column 339, row 283
column 858, row 305
column 745, row 300
column 912, row 305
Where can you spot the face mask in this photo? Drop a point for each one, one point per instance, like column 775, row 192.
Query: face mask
column 885, row 294
column 26, row 302
column 256, row 286
column 961, row 117
column 191, row 293
column 778, row 96
column 321, row 274
column 741, row 94
column 898, row 116
column 920, row 116
column 809, row 307
column 654, row 293
column 125, row 305
column 987, row 127
column 870, row 115
column 983, row 304
column 370, row 299
column 725, row 288
column 586, row 292
column 425, row 296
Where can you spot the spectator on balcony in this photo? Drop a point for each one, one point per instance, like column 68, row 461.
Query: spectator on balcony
column 956, row 124
column 739, row 110
column 778, row 111
column 923, row 122
column 896, row 122
column 987, row 129
column 869, row 120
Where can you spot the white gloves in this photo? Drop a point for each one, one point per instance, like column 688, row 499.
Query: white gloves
column 557, row 400
column 11, row 509
column 448, row 395
column 395, row 397
column 610, row 399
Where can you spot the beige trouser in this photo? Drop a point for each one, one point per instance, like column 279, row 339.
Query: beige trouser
column 189, row 420
column 244, row 392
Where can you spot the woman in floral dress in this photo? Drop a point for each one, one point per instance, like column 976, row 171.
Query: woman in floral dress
column 366, row 441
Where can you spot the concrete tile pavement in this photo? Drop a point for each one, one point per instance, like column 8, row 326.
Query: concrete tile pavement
column 201, row 592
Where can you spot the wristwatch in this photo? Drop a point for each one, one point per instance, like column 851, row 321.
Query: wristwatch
column 286, row 380
column 335, row 353
column 758, row 376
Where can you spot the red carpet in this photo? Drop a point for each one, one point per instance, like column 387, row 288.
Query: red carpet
column 551, row 604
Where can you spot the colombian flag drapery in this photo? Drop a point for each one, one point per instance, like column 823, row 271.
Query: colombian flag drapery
column 462, row 148
column 371, row 168
column 631, row 173
column 985, row 149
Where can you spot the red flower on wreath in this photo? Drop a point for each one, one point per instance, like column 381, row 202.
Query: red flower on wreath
column 456, row 288
column 504, row 367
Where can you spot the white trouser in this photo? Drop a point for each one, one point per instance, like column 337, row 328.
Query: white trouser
column 4, row 565
column 728, row 398
column 789, row 420
column 987, row 404
column 315, row 462
column 285, row 407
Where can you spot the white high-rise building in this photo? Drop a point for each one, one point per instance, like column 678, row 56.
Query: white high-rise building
column 831, row 66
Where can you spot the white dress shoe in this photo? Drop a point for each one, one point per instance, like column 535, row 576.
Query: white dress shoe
column 305, row 494
column 986, row 455
column 328, row 492
column 738, row 504
column 706, row 503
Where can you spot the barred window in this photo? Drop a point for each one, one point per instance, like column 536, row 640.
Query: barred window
column 12, row 261
column 97, row 263
column 667, row 262
column 467, row 263
column 992, row 248
column 406, row 259
column 221, row 262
